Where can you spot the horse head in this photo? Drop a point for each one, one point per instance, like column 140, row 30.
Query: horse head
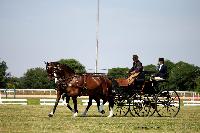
column 51, row 68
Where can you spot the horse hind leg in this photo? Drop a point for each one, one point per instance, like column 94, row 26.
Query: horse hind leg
column 101, row 106
column 75, row 113
column 111, row 106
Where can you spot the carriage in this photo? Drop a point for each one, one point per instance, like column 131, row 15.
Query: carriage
column 145, row 97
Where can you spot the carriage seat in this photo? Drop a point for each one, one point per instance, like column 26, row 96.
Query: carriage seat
column 122, row 82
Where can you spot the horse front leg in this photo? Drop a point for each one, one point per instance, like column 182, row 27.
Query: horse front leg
column 66, row 102
column 88, row 106
column 56, row 104
column 75, row 106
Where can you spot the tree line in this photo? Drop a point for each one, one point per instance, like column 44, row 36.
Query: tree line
column 182, row 76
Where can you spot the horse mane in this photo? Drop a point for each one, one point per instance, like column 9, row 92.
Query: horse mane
column 67, row 68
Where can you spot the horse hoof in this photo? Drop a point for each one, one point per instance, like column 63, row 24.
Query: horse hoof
column 50, row 115
column 103, row 112
column 110, row 116
column 75, row 114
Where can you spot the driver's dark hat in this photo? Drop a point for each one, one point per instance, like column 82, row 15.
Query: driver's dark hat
column 135, row 56
column 161, row 59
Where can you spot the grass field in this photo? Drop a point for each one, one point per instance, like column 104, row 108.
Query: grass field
column 33, row 118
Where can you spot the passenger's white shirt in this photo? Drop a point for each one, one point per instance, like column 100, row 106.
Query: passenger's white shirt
column 160, row 66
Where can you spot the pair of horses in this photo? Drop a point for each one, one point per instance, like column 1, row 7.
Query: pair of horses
column 69, row 84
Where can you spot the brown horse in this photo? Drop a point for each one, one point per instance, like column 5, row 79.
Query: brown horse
column 52, row 70
column 97, row 86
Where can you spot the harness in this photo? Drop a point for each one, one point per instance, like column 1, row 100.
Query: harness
column 71, row 80
column 77, row 83
column 82, row 83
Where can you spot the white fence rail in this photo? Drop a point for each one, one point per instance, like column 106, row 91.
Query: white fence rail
column 50, row 102
column 183, row 94
column 13, row 101
column 191, row 103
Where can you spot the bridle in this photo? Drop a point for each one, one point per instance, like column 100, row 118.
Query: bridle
column 51, row 70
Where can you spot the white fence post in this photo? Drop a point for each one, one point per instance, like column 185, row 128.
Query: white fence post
column 0, row 98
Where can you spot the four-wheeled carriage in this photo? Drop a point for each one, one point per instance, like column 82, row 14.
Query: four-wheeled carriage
column 144, row 97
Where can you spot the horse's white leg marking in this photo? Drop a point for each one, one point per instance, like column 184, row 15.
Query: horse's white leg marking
column 101, row 106
column 51, row 113
column 64, row 102
column 75, row 114
column 111, row 113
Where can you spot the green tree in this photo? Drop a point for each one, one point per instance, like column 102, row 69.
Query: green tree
column 35, row 78
column 169, row 65
column 197, row 81
column 150, row 68
column 13, row 82
column 3, row 74
column 118, row 72
column 74, row 64
column 183, row 76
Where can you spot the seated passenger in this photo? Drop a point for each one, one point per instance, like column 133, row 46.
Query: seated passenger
column 135, row 70
column 162, row 70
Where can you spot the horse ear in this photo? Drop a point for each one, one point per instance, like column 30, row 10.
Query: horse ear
column 45, row 62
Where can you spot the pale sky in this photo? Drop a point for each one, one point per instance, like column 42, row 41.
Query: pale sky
column 34, row 31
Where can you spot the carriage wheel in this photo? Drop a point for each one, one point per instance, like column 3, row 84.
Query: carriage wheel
column 168, row 103
column 121, row 107
column 139, row 105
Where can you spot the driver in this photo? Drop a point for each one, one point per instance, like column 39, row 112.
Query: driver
column 135, row 70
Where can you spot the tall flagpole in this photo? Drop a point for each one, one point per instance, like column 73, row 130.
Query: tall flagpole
column 97, row 38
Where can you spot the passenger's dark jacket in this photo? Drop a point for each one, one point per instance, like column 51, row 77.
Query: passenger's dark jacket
column 137, row 67
column 162, row 72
